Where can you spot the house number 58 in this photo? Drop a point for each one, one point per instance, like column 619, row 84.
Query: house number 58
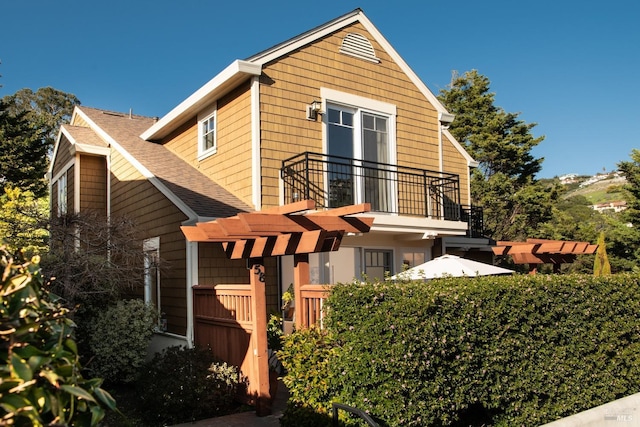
column 259, row 271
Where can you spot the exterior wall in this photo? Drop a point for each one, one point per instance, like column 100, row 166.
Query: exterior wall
column 290, row 83
column 454, row 163
column 71, row 200
column 216, row 269
column 134, row 196
column 79, row 121
column 63, row 156
column 93, row 184
column 233, row 137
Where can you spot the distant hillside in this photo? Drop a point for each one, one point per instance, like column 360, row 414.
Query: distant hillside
column 605, row 190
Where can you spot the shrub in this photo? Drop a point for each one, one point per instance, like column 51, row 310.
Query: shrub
column 118, row 339
column 501, row 351
column 40, row 373
column 182, row 385
column 307, row 355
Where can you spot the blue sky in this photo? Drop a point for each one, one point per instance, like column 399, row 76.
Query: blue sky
column 570, row 67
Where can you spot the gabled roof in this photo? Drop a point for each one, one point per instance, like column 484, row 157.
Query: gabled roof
column 229, row 78
column 191, row 191
column 239, row 71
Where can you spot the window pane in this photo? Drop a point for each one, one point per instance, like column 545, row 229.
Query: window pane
column 381, row 124
column 347, row 118
column 368, row 121
column 334, row 116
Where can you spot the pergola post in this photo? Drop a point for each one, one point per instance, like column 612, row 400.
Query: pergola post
column 260, row 353
column 300, row 277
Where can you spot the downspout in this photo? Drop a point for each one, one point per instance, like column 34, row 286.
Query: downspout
column 256, row 173
column 192, row 280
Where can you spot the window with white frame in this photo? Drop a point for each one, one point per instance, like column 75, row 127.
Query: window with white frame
column 363, row 130
column 62, row 195
column 151, row 249
column 207, row 133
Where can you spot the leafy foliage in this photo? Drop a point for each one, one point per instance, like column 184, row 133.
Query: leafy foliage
column 181, row 385
column 307, row 355
column 40, row 373
column 118, row 339
column 501, row 351
column 24, row 221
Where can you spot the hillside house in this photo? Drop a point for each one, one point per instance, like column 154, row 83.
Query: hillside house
column 333, row 115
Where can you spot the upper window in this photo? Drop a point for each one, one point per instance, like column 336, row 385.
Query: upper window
column 62, row 194
column 207, row 134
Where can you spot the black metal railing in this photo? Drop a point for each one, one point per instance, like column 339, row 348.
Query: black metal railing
column 355, row 411
column 474, row 217
column 333, row 181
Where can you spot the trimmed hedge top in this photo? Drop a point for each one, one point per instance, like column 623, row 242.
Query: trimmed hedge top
column 521, row 350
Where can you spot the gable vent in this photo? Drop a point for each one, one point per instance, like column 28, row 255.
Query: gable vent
column 359, row 46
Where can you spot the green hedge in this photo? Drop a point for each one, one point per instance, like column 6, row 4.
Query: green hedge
column 506, row 351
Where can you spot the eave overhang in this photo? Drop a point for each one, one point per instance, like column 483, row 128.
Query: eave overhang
column 419, row 228
column 229, row 78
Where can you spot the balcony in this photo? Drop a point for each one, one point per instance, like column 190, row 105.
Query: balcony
column 333, row 181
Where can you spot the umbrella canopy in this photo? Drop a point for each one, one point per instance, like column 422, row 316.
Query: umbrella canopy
column 450, row 265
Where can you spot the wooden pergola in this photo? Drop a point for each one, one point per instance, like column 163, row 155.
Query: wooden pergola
column 541, row 251
column 295, row 229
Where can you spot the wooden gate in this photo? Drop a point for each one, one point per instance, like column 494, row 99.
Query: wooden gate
column 232, row 319
column 223, row 321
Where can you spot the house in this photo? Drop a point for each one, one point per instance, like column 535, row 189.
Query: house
column 333, row 115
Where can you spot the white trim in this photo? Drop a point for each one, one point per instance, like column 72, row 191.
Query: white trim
column 227, row 79
column 76, row 185
column 61, row 194
column 64, row 169
column 139, row 167
column 192, row 280
column 151, row 245
column 91, row 149
column 471, row 162
column 256, row 175
column 77, row 147
column 356, row 101
column 55, row 150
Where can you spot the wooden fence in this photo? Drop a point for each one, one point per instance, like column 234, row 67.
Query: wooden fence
column 223, row 321
column 312, row 305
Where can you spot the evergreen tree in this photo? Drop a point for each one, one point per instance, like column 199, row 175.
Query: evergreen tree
column 601, row 265
column 47, row 108
column 515, row 203
column 23, row 152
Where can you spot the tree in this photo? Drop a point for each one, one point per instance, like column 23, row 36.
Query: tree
column 94, row 261
column 29, row 125
column 628, row 231
column 47, row 108
column 601, row 266
column 515, row 203
column 24, row 221
column 41, row 383
column 23, row 152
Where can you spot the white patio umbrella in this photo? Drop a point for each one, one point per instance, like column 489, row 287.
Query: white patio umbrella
column 450, row 265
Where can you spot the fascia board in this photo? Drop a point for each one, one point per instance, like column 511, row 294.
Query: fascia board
column 55, row 152
column 305, row 38
column 77, row 147
column 226, row 80
column 471, row 162
column 140, row 168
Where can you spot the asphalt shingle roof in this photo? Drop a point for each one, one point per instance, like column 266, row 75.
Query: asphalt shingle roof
column 201, row 194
